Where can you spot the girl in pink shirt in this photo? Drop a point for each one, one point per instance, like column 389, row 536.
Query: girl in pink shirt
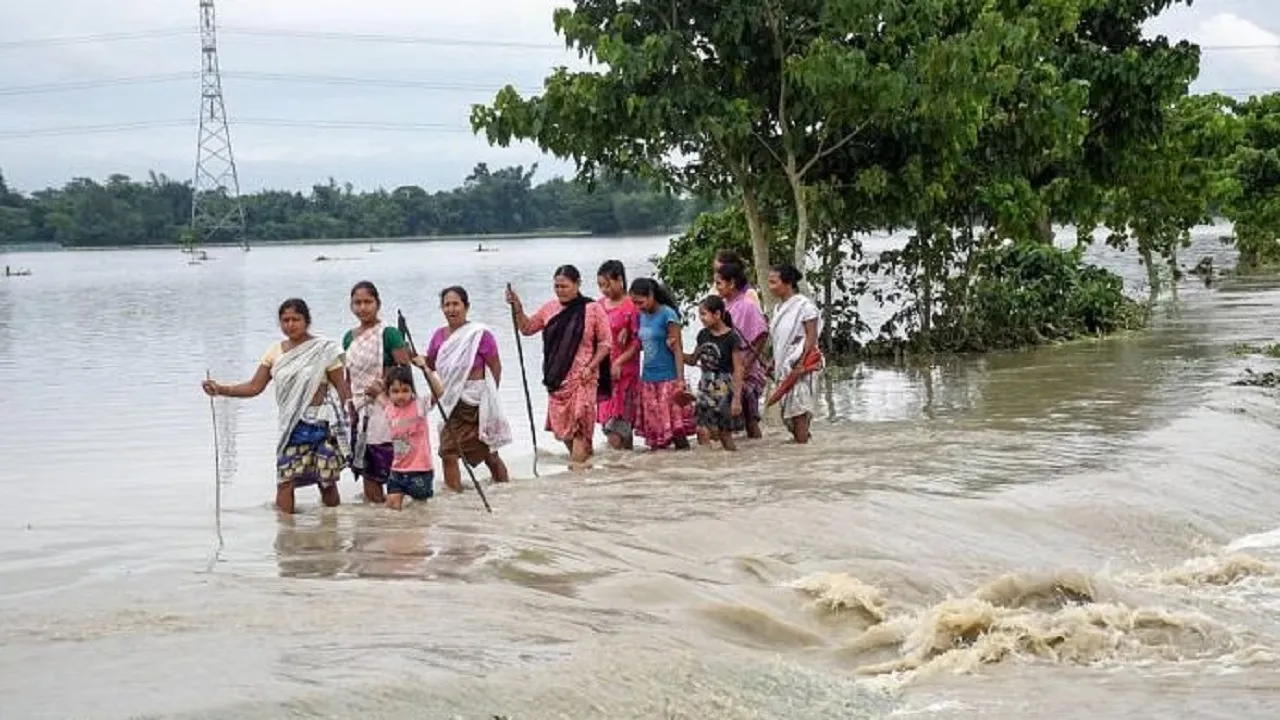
column 412, row 471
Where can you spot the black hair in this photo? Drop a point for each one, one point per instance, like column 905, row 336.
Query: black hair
column 789, row 274
column 648, row 287
column 724, row 257
column 569, row 273
column 614, row 270
column 734, row 273
column 297, row 305
column 401, row 374
column 458, row 290
column 369, row 288
column 715, row 304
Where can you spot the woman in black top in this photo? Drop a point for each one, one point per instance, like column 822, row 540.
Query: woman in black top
column 723, row 363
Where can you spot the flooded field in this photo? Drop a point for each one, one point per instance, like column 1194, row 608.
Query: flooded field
column 1089, row 530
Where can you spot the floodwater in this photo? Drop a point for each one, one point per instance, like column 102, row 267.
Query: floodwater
column 1085, row 531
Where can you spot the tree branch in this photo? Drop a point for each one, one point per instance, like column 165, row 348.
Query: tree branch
column 821, row 153
column 768, row 147
column 776, row 31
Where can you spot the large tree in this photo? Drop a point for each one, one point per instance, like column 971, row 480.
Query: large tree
column 1254, row 207
column 757, row 98
column 765, row 100
column 1174, row 182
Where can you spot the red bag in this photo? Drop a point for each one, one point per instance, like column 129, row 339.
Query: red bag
column 811, row 361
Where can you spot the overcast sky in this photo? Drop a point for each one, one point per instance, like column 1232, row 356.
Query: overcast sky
column 448, row 79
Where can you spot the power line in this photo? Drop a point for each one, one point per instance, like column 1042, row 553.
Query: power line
column 388, row 39
column 279, row 33
column 392, row 83
column 258, row 122
column 362, row 81
column 371, row 38
column 350, row 125
column 98, row 38
column 91, row 84
column 93, row 129
column 249, row 76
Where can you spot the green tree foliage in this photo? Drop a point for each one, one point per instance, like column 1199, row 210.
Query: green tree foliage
column 668, row 91
column 1254, row 206
column 1178, row 180
column 125, row 212
column 686, row 266
column 969, row 121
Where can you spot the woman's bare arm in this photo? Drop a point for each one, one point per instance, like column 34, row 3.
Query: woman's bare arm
column 603, row 338
column 522, row 321
column 253, row 388
column 338, row 379
column 495, row 368
column 810, row 334
column 675, row 341
column 758, row 345
column 633, row 349
column 739, row 372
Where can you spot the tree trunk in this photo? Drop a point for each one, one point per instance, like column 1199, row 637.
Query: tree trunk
column 759, row 239
column 828, row 287
column 1044, row 228
column 1153, row 273
column 802, row 217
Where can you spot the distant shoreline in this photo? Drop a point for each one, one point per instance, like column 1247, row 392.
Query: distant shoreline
column 536, row 235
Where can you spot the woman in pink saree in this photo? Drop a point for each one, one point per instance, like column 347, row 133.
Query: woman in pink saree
column 617, row 413
column 576, row 343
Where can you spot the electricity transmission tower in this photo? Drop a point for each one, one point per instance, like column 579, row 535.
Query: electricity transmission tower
column 216, row 211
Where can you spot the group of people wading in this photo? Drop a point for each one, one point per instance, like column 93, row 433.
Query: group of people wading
column 616, row 361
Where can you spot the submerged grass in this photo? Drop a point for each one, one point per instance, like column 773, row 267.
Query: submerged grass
column 1272, row 350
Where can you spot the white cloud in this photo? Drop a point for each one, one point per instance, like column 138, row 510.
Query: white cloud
column 1240, row 47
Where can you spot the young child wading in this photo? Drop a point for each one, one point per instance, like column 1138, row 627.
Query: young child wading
column 412, row 472
column 723, row 363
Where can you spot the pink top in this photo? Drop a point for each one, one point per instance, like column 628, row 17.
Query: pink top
column 411, row 437
column 488, row 347
column 750, row 323
column 596, row 332
column 624, row 326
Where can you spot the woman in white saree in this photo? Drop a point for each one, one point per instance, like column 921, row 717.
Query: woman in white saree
column 372, row 348
column 795, row 329
column 311, row 449
column 465, row 356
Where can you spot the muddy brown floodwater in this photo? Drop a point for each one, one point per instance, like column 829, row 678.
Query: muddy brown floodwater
column 1086, row 531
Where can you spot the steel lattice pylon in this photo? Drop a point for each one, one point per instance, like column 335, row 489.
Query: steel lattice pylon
column 217, row 214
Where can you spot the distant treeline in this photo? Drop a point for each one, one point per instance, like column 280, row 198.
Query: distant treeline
column 122, row 211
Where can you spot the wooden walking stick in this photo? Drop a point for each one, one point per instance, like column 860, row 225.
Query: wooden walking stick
column 524, row 379
column 408, row 338
column 217, row 470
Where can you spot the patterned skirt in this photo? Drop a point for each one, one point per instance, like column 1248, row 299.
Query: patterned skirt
column 571, row 410
column 715, row 403
column 311, row 457
column 659, row 420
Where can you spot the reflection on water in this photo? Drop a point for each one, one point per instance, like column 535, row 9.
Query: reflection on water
column 1054, row 519
column 373, row 544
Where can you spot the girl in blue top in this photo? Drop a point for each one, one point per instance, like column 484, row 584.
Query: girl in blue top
column 664, row 416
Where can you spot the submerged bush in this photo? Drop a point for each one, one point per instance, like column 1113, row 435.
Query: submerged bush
column 1029, row 293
